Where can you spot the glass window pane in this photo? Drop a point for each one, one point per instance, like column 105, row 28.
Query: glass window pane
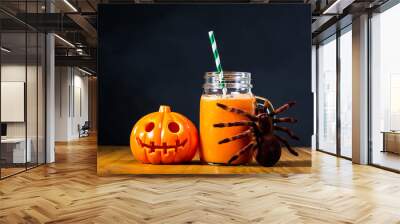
column 346, row 94
column 22, row 89
column 385, row 87
column 327, row 96
column 14, row 153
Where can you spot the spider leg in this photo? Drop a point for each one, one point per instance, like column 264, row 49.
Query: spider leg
column 242, row 151
column 287, row 131
column 260, row 108
column 284, row 107
column 267, row 105
column 233, row 124
column 236, row 137
column 291, row 150
column 237, row 111
column 285, row 119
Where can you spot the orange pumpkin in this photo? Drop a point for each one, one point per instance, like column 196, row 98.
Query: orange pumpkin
column 164, row 137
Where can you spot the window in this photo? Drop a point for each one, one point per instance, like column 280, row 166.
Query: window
column 385, row 89
column 22, row 101
column 346, row 92
column 334, row 106
column 327, row 95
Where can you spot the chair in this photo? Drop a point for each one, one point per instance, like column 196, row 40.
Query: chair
column 84, row 130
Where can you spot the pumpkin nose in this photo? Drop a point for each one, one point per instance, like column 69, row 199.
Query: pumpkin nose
column 164, row 109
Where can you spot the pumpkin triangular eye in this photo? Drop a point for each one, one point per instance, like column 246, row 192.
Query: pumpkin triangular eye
column 173, row 127
column 149, row 127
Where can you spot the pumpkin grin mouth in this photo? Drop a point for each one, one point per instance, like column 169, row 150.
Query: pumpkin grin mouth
column 164, row 146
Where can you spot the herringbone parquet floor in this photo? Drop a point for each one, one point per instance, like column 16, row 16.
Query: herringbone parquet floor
column 69, row 191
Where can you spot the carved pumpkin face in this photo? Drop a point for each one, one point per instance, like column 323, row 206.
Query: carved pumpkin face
column 164, row 137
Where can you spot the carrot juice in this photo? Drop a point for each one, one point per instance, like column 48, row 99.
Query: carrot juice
column 210, row 114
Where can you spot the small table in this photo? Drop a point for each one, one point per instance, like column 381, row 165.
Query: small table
column 13, row 150
column 391, row 141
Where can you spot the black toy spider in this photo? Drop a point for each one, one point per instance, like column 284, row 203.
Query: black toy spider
column 261, row 131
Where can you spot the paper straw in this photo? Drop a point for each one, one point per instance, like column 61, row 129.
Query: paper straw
column 217, row 60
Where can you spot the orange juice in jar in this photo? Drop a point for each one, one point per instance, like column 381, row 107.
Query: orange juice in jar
column 238, row 95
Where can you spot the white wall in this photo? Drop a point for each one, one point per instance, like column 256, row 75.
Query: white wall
column 33, row 127
column 16, row 72
column 80, row 110
column 62, row 81
column 9, row 73
column 71, row 102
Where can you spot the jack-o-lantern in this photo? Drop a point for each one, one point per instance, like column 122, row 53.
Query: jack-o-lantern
column 164, row 137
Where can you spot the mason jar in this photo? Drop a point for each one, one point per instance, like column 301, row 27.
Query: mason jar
column 237, row 94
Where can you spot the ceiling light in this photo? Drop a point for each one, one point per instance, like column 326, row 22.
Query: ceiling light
column 84, row 71
column 70, row 5
column 5, row 50
column 65, row 41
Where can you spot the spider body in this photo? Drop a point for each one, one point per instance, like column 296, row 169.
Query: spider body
column 269, row 152
column 265, row 145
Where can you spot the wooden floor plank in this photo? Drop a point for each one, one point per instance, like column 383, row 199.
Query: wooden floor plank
column 70, row 191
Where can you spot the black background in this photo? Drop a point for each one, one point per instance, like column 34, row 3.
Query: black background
column 157, row 54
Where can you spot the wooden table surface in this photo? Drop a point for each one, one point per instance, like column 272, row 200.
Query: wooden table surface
column 113, row 160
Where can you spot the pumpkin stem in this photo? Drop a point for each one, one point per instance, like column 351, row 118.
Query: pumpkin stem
column 164, row 109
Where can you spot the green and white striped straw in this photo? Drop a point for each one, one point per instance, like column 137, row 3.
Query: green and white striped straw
column 217, row 59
